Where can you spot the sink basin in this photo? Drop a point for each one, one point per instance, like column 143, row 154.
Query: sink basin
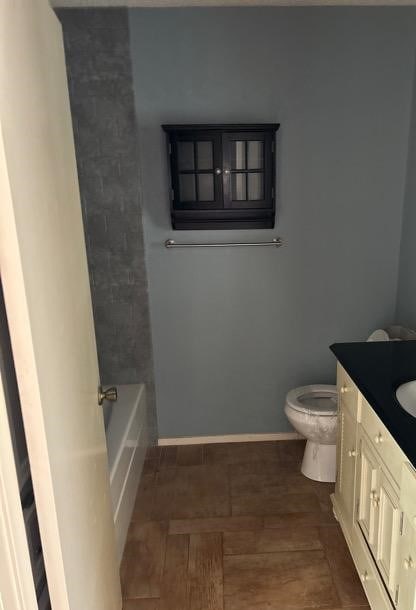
column 406, row 395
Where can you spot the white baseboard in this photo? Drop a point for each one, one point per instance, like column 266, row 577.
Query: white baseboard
column 229, row 438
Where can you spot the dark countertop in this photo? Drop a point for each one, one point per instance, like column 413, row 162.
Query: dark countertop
column 378, row 368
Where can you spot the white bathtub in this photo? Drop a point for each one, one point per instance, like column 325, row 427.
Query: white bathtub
column 127, row 441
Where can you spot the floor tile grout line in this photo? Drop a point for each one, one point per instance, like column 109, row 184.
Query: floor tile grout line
column 331, row 571
column 188, row 578
column 275, row 552
column 135, row 599
column 222, row 569
column 164, row 564
column 230, row 505
column 286, row 552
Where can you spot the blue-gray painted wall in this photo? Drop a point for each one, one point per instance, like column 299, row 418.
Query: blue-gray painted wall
column 235, row 329
column 406, row 295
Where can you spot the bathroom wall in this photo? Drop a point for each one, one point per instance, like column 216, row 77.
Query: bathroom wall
column 235, row 329
column 102, row 106
column 406, row 295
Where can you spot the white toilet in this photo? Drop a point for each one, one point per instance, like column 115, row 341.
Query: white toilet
column 312, row 411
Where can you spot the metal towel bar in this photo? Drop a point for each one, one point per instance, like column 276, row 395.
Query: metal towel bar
column 276, row 242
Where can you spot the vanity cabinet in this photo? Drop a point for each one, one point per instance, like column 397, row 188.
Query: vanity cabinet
column 375, row 502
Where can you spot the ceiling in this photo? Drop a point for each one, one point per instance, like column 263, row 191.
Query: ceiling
column 207, row 3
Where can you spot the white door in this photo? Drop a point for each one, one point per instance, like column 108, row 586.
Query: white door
column 45, row 280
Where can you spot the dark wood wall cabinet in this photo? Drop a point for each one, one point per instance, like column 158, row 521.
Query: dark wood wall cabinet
column 222, row 176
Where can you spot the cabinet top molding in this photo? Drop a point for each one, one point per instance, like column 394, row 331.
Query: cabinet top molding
column 223, row 127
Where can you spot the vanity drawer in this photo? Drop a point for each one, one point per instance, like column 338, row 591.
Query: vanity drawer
column 347, row 391
column 382, row 441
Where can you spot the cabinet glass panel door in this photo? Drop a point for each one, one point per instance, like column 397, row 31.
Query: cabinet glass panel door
column 248, row 170
column 198, row 171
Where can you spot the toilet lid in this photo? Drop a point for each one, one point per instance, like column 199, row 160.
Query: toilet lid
column 316, row 399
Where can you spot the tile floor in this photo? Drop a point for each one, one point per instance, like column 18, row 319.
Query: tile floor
column 235, row 527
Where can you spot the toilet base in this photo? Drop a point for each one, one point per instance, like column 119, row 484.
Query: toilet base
column 319, row 462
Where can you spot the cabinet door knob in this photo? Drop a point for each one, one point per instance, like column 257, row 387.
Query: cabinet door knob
column 227, row 172
column 378, row 438
column 352, row 453
column 375, row 500
column 408, row 563
column 344, row 389
column 218, row 171
column 364, row 576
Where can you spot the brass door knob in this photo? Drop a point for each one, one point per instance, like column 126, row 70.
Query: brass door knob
column 108, row 394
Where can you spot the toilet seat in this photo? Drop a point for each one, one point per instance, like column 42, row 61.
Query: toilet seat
column 319, row 399
column 312, row 411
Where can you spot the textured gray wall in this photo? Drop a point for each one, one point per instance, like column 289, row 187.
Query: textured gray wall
column 406, row 295
column 102, row 104
column 235, row 329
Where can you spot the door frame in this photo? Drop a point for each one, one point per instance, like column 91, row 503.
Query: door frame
column 17, row 589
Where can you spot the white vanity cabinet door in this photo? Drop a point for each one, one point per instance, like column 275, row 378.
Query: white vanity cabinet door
column 367, row 489
column 405, row 595
column 407, row 545
column 347, row 452
column 387, row 517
